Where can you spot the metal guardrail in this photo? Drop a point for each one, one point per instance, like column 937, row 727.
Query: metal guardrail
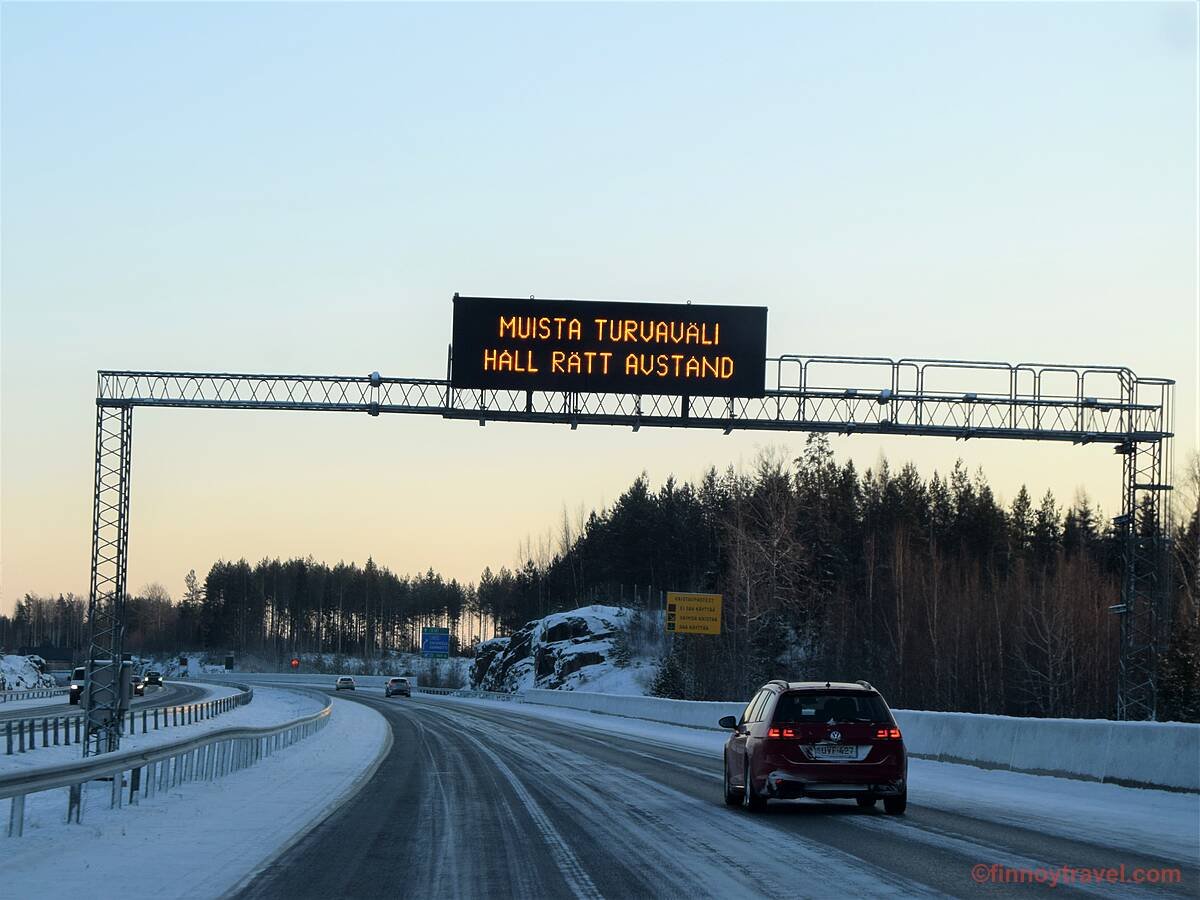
column 205, row 757
column 21, row 735
column 32, row 694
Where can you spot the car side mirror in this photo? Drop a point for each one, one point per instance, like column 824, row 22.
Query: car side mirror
column 728, row 722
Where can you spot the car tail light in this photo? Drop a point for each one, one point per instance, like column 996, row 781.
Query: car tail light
column 886, row 734
column 773, row 733
column 789, row 732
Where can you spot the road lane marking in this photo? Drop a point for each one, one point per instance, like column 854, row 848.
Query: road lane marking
column 568, row 863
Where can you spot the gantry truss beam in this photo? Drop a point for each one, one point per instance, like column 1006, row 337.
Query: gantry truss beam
column 831, row 394
column 848, row 395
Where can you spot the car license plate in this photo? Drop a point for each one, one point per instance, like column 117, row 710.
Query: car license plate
column 835, row 751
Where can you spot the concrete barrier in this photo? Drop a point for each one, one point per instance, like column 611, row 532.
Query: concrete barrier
column 1163, row 754
column 1138, row 754
column 1077, row 747
column 690, row 713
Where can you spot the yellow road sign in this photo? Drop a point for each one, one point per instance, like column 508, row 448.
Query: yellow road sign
column 693, row 613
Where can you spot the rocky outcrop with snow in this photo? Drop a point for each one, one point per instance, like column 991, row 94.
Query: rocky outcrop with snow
column 573, row 650
column 486, row 653
column 24, row 673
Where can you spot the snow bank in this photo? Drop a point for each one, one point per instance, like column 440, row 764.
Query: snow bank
column 24, row 673
column 1150, row 754
column 162, row 848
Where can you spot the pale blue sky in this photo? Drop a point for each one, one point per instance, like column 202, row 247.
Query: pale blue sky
column 303, row 187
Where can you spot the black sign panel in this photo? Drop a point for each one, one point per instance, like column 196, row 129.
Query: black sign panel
column 602, row 347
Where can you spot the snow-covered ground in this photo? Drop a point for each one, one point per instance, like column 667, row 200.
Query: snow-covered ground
column 270, row 706
column 1160, row 823
column 606, row 678
column 23, row 673
column 199, row 839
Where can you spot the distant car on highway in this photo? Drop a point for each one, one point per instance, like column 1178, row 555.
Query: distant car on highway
column 397, row 686
column 344, row 683
column 154, row 678
column 139, row 685
column 75, row 690
column 824, row 740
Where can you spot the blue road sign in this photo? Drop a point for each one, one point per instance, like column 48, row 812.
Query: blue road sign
column 435, row 642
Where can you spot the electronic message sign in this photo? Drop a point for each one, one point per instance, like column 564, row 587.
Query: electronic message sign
column 609, row 347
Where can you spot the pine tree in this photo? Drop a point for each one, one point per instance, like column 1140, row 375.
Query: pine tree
column 1179, row 677
column 670, row 680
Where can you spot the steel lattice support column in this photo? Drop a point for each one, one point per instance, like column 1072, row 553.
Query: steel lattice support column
column 106, row 600
column 1145, row 590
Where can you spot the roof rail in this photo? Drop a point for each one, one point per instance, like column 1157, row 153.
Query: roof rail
column 779, row 681
column 865, row 684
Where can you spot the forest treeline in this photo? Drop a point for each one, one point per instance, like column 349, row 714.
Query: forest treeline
column 931, row 589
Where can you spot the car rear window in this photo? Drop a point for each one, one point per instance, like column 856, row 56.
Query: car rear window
column 831, row 706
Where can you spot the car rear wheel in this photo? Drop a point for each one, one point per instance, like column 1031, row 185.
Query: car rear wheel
column 733, row 796
column 895, row 806
column 750, row 799
column 866, row 802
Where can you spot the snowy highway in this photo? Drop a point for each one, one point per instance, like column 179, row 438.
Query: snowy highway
column 478, row 798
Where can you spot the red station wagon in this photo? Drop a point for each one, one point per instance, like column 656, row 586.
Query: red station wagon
column 823, row 740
